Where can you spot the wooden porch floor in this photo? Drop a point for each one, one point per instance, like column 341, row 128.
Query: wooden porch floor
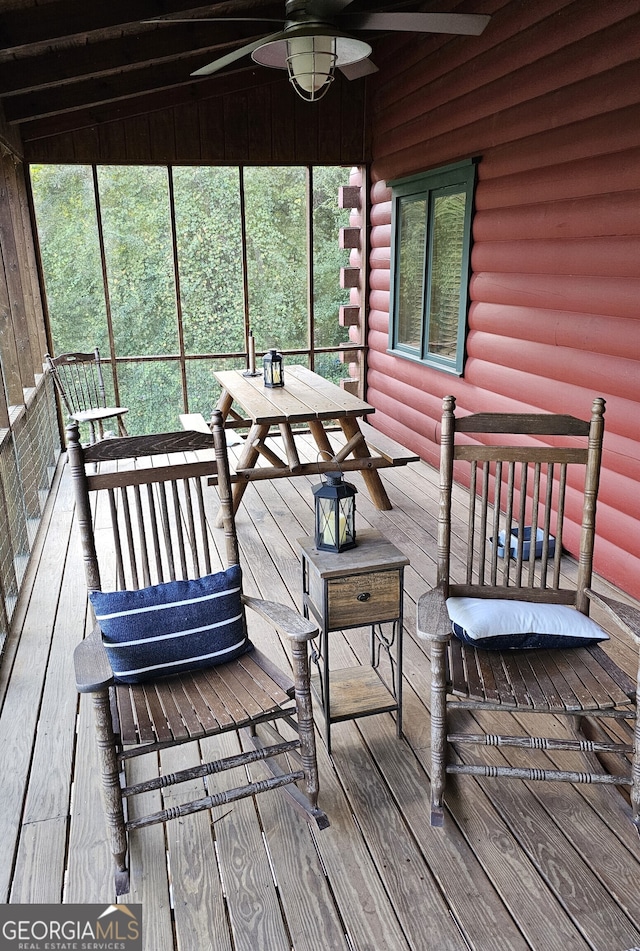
column 517, row 866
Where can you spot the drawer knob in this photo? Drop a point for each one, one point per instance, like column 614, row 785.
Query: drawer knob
column 364, row 596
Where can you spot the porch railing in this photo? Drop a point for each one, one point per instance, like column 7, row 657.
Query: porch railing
column 29, row 450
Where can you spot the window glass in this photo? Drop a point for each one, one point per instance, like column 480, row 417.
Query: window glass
column 430, row 265
column 447, row 248
column 411, row 264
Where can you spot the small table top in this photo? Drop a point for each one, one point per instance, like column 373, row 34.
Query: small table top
column 372, row 550
column 305, row 396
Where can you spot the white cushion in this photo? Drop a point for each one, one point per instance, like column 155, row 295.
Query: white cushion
column 503, row 623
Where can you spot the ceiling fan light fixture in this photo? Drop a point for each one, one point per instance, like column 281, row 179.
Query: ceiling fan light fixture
column 311, row 63
column 311, row 53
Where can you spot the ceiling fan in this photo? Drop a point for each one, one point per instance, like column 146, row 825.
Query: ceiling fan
column 313, row 43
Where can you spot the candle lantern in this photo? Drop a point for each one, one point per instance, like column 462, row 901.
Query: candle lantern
column 273, row 368
column 335, row 513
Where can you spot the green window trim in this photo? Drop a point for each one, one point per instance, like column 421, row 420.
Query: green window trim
column 430, row 265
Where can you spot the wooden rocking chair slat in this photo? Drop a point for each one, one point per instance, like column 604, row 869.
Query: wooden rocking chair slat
column 126, row 720
column 494, row 663
column 162, row 726
column 174, row 713
column 552, row 699
column 263, row 673
column 192, row 686
column 263, row 697
column 193, row 725
column 557, row 673
column 519, row 687
column 535, row 692
column 136, row 696
column 619, row 677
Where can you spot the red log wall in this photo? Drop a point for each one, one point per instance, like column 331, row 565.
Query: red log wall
column 549, row 98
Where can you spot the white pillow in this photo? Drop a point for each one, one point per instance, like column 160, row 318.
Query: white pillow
column 506, row 624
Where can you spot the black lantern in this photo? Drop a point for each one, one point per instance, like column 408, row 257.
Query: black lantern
column 273, row 368
column 335, row 506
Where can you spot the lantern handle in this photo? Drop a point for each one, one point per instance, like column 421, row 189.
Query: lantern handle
column 325, row 452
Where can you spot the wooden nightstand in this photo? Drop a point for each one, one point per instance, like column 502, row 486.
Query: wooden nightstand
column 361, row 587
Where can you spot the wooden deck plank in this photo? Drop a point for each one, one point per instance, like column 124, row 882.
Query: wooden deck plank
column 89, row 872
column 40, row 869
column 450, row 858
column 23, row 696
column 148, row 863
column 312, row 916
column 198, row 900
column 406, row 876
column 510, row 910
column 571, row 875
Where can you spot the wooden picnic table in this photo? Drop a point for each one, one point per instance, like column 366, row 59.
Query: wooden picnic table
column 309, row 399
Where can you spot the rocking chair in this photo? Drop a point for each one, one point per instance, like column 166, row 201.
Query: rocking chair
column 505, row 626
column 79, row 381
column 169, row 661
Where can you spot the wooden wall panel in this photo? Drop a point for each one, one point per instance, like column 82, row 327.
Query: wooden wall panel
column 550, row 103
column 266, row 124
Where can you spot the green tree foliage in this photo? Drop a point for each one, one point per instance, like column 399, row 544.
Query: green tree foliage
column 138, row 250
column 209, row 242
column 328, row 258
column 277, row 256
column 67, row 229
column 164, row 229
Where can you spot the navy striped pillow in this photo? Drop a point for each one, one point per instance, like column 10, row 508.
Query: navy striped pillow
column 174, row 627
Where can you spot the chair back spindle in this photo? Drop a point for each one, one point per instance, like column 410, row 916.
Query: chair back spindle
column 159, row 525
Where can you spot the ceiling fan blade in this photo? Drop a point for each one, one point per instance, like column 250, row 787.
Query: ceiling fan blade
column 357, row 70
column 218, row 64
column 471, row 24
column 196, row 19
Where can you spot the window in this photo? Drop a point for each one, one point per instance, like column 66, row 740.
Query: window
column 430, row 265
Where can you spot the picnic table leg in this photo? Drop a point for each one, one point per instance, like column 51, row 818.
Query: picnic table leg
column 224, row 403
column 247, row 460
column 351, row 427
column 319, row 433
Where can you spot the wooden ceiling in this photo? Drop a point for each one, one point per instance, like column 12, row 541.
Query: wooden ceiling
column 66, row 64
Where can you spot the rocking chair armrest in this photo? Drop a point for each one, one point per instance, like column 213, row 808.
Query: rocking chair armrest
column 92, row 668
column 285, row 619
column 624, row 615
column 434, row 623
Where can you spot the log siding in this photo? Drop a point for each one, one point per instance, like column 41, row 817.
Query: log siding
column 548, row 99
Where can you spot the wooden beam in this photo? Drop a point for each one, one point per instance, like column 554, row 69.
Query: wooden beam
column 152, row 44
column 27, row 26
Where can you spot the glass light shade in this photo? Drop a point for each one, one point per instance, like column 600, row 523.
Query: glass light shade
column 335, row 514
column 273, row 368
column 311, row 62
column 311, row 53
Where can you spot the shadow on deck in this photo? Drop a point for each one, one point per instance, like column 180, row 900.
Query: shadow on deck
column 517, row 866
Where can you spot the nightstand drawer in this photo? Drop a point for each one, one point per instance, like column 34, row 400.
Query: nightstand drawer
column 363, row 599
